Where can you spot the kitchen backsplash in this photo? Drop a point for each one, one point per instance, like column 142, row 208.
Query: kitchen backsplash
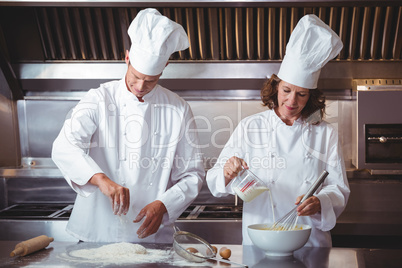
column 40, row 122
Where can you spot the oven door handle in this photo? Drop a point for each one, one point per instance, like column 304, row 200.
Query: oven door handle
column 384, row 139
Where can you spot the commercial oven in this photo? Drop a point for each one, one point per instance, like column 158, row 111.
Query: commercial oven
column 377, row 126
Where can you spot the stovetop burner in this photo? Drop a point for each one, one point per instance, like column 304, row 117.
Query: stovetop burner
column 215, row 212
column 27, row 211
column 62, row 211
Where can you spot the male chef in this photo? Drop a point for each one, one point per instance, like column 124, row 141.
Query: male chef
column 129, row 148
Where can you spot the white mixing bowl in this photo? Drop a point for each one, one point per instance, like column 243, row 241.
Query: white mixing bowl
column 278, row 243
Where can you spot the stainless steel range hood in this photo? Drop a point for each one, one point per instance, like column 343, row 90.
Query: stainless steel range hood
column 230, row 30
column 233, row 44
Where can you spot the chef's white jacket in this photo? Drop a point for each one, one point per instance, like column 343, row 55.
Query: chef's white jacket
column 149, row 147
column 288, row 159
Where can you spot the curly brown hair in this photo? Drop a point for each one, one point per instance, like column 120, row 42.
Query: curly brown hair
column 269, row 97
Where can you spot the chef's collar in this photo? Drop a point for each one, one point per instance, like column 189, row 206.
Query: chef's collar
column 149, row 96
column 277, row 120
column 129, row 95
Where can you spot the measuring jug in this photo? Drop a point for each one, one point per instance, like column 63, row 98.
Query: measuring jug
column 248, row 186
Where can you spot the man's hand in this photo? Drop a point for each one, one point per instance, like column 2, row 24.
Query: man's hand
column 232, row 167
column 310, row 206
column 153, row 214
column 118, row 195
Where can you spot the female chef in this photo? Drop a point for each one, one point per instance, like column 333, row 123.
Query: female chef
column 123, row 150
column 286, row 146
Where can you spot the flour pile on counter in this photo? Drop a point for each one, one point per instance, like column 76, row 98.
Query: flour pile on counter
column 112, row 251
column 123, row 253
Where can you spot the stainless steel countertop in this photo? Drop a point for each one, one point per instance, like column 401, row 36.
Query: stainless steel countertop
column 250, row 255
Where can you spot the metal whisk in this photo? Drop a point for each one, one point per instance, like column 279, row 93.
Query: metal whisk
column 289, row 221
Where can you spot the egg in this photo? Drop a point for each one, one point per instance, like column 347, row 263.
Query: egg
column 215, row 249
column 192, row 250
column 225, row 252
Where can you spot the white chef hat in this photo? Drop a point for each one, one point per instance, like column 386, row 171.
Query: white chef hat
column 153, row 39
column 311, row 45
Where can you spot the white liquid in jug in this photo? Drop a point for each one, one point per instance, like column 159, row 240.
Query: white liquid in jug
column 251, row 193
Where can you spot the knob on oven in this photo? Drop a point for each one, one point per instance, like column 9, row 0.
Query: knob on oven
column 383, row 139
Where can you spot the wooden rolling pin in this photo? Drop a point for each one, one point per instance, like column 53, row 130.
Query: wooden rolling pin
column 31, row 245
